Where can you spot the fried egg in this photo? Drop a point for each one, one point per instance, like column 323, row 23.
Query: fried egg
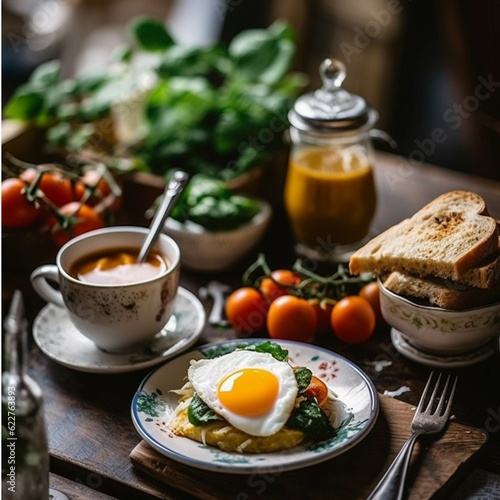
column 253, row 391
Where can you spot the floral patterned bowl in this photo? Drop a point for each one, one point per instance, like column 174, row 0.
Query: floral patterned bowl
column 437, row 330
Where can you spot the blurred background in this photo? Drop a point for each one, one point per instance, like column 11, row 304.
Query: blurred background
column 431, row 68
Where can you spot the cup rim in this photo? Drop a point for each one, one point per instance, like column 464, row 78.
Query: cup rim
column 174, row 263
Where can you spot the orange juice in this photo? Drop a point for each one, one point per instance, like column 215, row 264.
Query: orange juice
column 329, row 196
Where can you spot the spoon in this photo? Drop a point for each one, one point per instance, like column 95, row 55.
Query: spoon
column 170, row 196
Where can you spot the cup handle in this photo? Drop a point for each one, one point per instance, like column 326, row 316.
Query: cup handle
column 40, row 281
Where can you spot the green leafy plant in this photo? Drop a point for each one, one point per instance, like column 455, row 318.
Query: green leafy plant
column 220, row 110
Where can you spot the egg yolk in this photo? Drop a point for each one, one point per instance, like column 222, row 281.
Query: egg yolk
column 248, row 391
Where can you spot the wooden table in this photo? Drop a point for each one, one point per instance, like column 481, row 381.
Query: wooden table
column 91, row 434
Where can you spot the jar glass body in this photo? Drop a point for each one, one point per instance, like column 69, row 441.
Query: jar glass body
column 330, row 194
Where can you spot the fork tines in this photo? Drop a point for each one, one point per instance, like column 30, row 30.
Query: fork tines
column 443, row 401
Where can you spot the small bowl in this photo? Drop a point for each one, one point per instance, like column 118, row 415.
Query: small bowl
column 437, row 330
column 209, row 251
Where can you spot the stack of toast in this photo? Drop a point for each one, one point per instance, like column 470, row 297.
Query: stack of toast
column 446, row 255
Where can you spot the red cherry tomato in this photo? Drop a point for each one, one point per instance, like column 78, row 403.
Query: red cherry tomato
column 371, row 293
column 246, row 310
column 323, row 315
column 82, row 219
column 353, row 320
column 317, row 389
column 17, row 211
column 291, row 318
column 277, row 285
column 54, row 185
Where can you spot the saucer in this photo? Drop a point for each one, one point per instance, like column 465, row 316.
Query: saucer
column 57, row 337
column 439, row 360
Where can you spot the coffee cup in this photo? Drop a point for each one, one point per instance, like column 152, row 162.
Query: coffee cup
column 122, row 309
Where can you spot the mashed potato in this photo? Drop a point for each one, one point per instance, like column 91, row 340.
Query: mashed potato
column 228, row 438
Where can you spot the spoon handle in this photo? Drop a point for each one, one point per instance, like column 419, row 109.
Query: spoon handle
column 172, row 192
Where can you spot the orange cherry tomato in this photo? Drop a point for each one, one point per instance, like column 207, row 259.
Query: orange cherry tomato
column 82, row 219
column 54, row 185
column 246, row 310
column 17, row 211
column 371, row 293
column 317, row 389
column 291, row 318
column 277, row 285
column 353, row 320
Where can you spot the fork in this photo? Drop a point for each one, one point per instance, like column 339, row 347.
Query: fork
column 430, row 420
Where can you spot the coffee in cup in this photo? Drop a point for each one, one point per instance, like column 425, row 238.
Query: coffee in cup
column 117, row 266
column 111, row 299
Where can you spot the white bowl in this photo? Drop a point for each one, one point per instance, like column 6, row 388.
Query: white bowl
column 440, row 331
column 208, row 251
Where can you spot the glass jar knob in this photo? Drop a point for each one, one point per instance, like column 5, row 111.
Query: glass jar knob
column 332, row 73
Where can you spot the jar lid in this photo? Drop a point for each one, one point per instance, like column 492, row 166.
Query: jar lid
column 331, row 107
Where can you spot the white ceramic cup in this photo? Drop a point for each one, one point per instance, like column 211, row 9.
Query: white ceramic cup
column 117, row 318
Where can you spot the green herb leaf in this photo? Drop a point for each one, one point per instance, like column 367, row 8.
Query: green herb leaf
column 303, row 376
column 312, row 420
column 263, row 55
column 25, row 105
column 270, row 348
column 150, row 34
column 184, row 60
column 45, row 75
column 199, row 413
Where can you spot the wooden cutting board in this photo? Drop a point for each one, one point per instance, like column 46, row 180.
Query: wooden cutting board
column 436, row 465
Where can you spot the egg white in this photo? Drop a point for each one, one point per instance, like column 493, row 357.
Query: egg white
column 205, row 375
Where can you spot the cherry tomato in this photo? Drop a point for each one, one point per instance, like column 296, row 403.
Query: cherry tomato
column 246, row 310
column 353, row 319
column 323, row 313
column 17, row 211
column 93, row 188
column 54, row 185
column 276, row 285
column 371, row 293
column 93, row 181
column 291, row 318
column 82, row 218
column 317, row 389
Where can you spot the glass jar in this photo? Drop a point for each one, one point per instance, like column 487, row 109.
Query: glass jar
column 330, row 194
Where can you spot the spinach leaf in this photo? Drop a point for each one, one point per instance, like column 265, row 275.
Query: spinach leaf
column 26, row 105
column 263, row 54
column 312, row 420
column 199, row 413
column 183, row 60
column 150, row 34
column 271, row 348
column 37, row 99
column 303, row 376
column 210, row 203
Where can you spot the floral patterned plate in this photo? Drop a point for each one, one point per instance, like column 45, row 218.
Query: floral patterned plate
column 58, row 338
column 153, row 402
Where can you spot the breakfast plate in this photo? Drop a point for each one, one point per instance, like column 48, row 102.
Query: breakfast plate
column 154, row 401
column 58, row 338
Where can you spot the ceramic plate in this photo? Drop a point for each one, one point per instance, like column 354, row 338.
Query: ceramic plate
column 57, row 337
column 153, row 401
column 408, row 350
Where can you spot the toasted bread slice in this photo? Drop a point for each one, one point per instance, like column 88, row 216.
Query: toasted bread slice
column 442, row 293
column 448, row 238
column 486, row 273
